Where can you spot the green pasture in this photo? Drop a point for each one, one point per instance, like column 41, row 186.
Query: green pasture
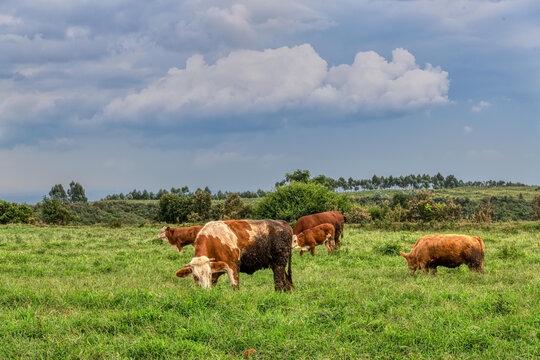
column 110, row 293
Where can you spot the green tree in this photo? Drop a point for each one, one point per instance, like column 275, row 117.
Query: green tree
column 201, row 203
column 53, row 211
column 235, row 208
column 76, row 192
column 11, row 213
column 174, row 208
column 58, row 192
column 298, row 199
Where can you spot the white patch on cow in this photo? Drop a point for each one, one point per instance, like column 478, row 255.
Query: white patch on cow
column 230, row 273
column 221, row 231
column 258, row 229
column 162, row 235
column 202, row 273
column 295, row 242
column 305, row 248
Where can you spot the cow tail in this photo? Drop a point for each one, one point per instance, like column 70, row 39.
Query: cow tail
column 289, row 274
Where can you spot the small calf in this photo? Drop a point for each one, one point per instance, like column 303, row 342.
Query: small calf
column 308, row 239
column 179, row 237
column 447, row 250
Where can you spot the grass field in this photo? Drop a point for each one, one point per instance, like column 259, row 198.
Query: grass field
column 101, row 293
column 472, row 193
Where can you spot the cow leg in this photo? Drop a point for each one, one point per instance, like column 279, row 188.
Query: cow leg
column 312, row 249
column 301, row 252
column 215, row 278
column 433, row 271
column 339, row 232
column 234, row 278
column 280, row 278
column 425, row 269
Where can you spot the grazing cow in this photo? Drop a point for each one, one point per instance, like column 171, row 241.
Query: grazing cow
column 330, row 217
column 179, row 237
column 447, row 250
column 320, row 234
column 234, row 246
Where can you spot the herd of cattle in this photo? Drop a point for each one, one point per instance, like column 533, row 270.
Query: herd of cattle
column 234, row 246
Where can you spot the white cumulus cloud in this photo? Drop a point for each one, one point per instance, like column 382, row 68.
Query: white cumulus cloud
column 294, row 78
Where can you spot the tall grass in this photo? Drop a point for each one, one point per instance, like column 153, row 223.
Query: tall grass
column 95, row 292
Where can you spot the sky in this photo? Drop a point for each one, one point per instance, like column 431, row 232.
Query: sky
column 120, row 95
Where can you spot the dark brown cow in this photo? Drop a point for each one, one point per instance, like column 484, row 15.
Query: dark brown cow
column 330, row 217
column 447, row 250
column 320, row 234
column 234, row 246
column 179, row 237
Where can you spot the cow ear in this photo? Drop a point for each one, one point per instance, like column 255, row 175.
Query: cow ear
column 182, row 273
column 403, row 254
column 218, row 267
column 168, row 228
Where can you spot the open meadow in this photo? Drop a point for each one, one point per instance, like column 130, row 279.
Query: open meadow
column 110, row 293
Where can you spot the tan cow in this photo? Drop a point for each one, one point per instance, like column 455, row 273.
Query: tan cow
column 448, row 250
column 320, row 234
column 179, row 237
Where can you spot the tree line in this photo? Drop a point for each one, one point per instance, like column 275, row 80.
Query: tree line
column 183, row 192
column 412, row 181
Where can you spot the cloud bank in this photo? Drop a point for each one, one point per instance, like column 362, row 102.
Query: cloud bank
column 287, row 78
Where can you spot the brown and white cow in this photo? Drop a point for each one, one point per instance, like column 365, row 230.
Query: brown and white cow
column 320, row 234
column 447, row 250
column 234, row 246
column 179, row 237
column 330, row 217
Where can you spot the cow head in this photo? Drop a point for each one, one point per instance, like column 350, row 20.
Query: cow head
column 295, row 242
column 329, row 243
column 163, row 233
column 202, row 269
column 411, row 262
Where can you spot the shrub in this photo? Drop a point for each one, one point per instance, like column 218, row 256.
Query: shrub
column 388, row 248
column 536, row 208
column 421, row 206
column 174, row 209
column 293, row 201
column 377, row 213
column 483, row 212
column 448, row 211
column 357, row 215
column 14, row 213
column 201, row 203
column 53, row 211
column 235, row 208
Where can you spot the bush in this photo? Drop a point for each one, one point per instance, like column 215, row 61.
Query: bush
column 54, row 212
column 421, row 206
column 357, row 215
column 536, row 208
column 201, row 204
column 388, row 248
column 13, row 213
column 293, row 201
column 448, row 211
column 174, row 209
column 235, row 208
column 483, row 212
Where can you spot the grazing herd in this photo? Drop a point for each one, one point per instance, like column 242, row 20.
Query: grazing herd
column 235, row 246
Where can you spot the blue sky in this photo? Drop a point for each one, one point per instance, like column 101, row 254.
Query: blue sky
column 119, row 94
